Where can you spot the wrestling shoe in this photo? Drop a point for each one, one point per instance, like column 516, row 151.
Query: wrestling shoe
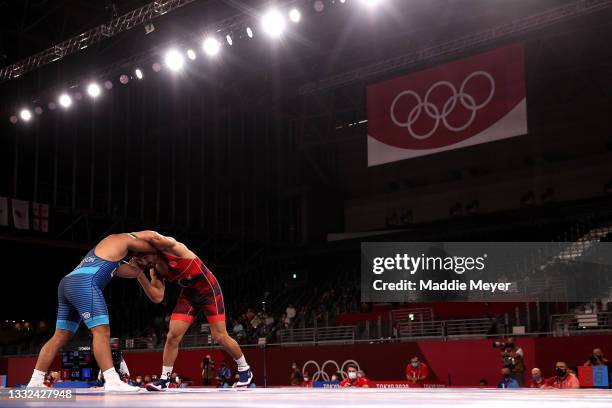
column 245, row 378
column 36, row 384
column 119, row 386
column 159, row 385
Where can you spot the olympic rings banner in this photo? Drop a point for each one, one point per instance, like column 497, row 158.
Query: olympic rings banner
column 476, row 100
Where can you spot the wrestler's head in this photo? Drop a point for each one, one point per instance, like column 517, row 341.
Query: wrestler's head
column 155, row 261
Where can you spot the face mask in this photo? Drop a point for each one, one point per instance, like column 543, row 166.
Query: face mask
column 352, row 375
column 536, row 377
column 334, row 378
column 507, row 375
column 560, row 372
column 305, row 378
column 415, row 365
column 359, row 375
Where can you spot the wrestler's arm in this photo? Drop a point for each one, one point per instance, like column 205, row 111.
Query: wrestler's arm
column 116, row 246
column 164, row 243
column 155, row 288
column 128, row 271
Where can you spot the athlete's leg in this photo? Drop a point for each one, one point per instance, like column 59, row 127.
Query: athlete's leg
column 67, row 323
column 51, row 348
column 219, row 334
column 101, row 346
column 176, row 331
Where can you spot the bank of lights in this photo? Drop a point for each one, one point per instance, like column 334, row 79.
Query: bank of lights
column 273, row 23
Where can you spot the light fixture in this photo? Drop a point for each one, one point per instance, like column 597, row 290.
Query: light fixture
column 211, row 46
column 273, row 23
column 295, row 15
column 65, row 100
column 93, row 90
column 174, row 60
column 191, row 54
column 25, row 115
column 249, row 32
column 138, row 73
column 229, row 40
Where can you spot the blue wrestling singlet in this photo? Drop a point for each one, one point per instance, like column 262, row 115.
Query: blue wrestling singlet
column 80, row 296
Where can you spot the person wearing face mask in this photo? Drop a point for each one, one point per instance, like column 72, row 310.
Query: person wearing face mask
column 563, row 378
column 138, row 382
column 307, row 380
column 353, row 380
column 416, row 372
column 507, row 380
column 536, row 381
column 336, row 377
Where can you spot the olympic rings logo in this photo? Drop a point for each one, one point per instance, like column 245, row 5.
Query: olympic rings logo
column 320, row 370
column 431, row 110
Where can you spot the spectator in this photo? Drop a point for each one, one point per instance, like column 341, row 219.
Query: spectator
column 512, row 356
column 507, row 381
column 239, row 332
column 224, row 375
column 296, row 378
column 536, row 379
column 154, row 378
column 352, row 380
column 363, row 375
column 147, row 379
column 597, row 359
column 416, row 372
column 290, row 312
column 563, row 378
column 139, row 381
column 307, row 381
column 336, row 376
column 208, row 370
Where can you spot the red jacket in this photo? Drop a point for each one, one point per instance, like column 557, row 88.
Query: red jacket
column 536, row 384
column 357, row 382
column 570, row 381
column 421, row 371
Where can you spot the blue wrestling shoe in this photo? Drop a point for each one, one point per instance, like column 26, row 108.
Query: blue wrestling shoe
column 159, row 385
column 245, row 378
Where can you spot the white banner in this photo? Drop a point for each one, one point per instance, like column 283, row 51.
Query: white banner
column 21, row 214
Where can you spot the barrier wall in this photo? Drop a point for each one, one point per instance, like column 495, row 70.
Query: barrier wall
column 458, row 362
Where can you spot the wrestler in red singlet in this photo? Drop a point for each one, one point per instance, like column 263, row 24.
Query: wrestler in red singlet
column 200, row 289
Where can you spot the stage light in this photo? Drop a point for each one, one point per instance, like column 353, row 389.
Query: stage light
column 191, row 54
column 249, row 32
column 273, row 23
column 65, row 100
column 124, row 79
column 138, row 73
column 174, row 60
column 108, row 85
column 38, row 110
column 295, row 15
column 319, row 6
column 52, row 106
column 93, row 90
column 156, row 67
column 211, row 46
column 25, row 115
column 13, row 119
column 342, row 1
column 229, row 40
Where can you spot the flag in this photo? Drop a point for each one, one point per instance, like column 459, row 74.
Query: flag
column 40, row 217
column 21, row 214
column 4, row 211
